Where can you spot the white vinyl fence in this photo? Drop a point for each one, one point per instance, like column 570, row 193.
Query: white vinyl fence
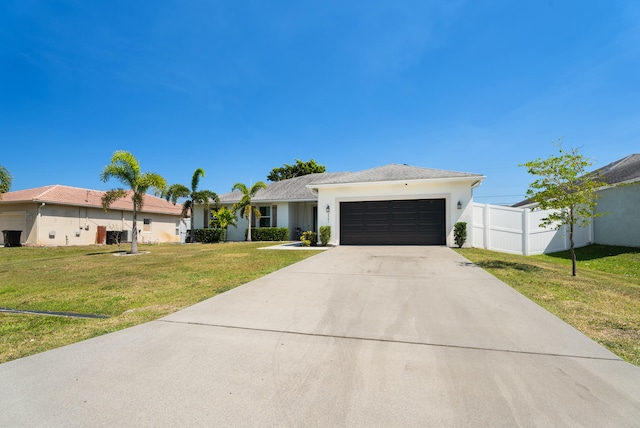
column 517, row 231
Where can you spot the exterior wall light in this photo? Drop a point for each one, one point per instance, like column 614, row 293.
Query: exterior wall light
column 459, row 205
column 328, row 209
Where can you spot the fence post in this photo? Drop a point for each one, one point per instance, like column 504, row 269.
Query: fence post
column 487, row 226
column 525, row 231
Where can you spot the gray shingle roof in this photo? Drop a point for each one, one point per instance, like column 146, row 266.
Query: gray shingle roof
column 295, row 189
column 622, row 170
column 394, row 172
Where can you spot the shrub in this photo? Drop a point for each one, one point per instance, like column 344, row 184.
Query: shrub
column 208, row 236
column 309, row 238
column 460, row 233
column 269, row 234
column 325, row 235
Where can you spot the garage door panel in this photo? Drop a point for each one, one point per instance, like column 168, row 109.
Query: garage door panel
column 400, row 222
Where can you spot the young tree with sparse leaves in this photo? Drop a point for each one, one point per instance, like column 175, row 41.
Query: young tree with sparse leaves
column 244, row 204
column 5, row 180
column 195, row 196
column 565, row 188
column 298, row 169
column 125, row 168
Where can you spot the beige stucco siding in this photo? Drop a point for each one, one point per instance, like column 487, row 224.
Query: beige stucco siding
column 8, row 219
column 58, row 225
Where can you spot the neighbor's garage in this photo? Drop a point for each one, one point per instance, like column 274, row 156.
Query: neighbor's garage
column 399, row 222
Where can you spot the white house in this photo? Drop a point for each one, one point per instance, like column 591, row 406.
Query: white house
column 621, row 203
column 389, row 205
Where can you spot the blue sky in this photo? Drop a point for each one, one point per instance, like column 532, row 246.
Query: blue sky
column 238, row 88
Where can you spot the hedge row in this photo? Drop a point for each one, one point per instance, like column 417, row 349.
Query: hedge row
column 269, row 234
column 209, row 236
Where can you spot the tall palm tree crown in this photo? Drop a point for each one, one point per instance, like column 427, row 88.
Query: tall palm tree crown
column 125, row 168
column 195, row 196
column 244, row 204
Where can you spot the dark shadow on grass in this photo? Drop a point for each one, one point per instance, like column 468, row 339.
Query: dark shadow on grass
column 596, row 251
column 97, row 253
column 499, row 264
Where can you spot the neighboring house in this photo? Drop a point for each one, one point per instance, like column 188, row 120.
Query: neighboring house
column 389, row 205
column 62, row 215
column 619, row 202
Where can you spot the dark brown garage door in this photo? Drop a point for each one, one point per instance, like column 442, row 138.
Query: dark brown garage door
column 413, row 222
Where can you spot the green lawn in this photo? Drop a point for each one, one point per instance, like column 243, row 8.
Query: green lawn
column 603, row 301
column 129, row 289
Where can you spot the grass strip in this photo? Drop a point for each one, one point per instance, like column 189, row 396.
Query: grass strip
column 603, row 301
column 129, row 290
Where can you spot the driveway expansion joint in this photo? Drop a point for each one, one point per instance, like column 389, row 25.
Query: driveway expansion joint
column 381, row 340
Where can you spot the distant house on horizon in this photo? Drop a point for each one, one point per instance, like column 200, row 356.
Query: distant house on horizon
column 59, row 215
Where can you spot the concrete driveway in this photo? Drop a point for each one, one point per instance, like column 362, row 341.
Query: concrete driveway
column 354, row 336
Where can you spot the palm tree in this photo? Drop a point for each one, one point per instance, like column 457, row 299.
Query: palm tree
column 224, row 218
column 244, row 204
column 5, row 180
column 194, row 196
column 125, row 168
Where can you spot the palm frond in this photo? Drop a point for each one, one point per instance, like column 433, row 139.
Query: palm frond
column 151, row 180
column 240, row 187
column 111, row 196
column 174, row 192
column 195, row 180
column 186, row 208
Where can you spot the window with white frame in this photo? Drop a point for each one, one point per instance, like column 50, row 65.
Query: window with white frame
column 146, row 225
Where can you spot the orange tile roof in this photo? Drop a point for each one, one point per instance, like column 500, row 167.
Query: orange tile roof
column 66, row 195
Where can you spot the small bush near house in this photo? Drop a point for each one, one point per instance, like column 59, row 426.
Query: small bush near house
column 460, row 233
column 209, row 236
column 325, row 235
column 309, row 238
column 269, row 234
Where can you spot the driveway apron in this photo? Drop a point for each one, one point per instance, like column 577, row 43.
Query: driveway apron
column 353, row 336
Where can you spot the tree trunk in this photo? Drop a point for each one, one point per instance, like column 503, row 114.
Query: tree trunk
column 572, row 250
column 249, row 230
column 134, row 232
column 192, row 232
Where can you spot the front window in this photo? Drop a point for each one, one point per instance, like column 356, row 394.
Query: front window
column 265, row 216
column 146, row 225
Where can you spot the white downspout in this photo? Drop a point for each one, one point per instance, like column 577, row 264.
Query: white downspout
column 38, row 224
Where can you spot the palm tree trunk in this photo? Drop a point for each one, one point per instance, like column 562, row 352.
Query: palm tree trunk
column 192, row 232
column 134, row 232
column 249, row 230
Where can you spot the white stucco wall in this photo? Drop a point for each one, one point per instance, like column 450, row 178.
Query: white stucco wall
column 289, row 215
column 451, row 191
column 621, row 226
column 200, row 216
